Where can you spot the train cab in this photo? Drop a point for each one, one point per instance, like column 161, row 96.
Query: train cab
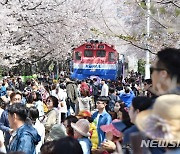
column 94, row 59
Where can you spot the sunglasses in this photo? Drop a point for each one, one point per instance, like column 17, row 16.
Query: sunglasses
column 152, row 69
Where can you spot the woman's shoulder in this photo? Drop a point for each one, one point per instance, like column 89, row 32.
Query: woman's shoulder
column 54, row 111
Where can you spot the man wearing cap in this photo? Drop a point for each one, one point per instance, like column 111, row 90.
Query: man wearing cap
column 101, row 117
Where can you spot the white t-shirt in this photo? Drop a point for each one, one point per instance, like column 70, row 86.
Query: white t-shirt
column 97, row 118
column 105, row 90
column 84, row 147
column 41, row 131
column 40, row 107
column 62, row 96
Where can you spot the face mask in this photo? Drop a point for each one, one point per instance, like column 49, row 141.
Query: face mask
column 116, row 109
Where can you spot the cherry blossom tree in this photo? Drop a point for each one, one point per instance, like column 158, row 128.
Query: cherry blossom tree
column 128, row 23
column 32, row 30
column 36, row 29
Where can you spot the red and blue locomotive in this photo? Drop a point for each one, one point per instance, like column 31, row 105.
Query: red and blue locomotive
column 96, row 58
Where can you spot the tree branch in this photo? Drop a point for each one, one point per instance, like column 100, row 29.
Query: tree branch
column 169, row 2
column 43, row 56
column 152, row 16
column 125, row 38
column 39, row 33
column 137, row 46
column 33, row 8
column 5, row 2
column 43, row 23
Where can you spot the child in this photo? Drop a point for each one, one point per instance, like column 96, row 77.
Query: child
column 92, row 130
column 81, row 133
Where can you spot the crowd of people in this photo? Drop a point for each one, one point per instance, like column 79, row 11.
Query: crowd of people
column 93, row 115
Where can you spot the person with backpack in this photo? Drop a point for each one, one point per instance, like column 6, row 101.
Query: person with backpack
column 72, row 93
column 84, row 101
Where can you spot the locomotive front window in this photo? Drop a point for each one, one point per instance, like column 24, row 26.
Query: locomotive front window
column 88, row 53
column 78, row 55
column 112, row 56
column 101, row 46
column 100, row 53
column 88, row 46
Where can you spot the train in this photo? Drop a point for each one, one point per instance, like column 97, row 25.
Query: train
column 95, row 58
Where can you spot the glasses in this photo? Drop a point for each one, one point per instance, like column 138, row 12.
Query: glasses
column 99, row 103
column 152, row 69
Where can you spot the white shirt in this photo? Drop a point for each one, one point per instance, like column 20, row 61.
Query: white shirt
column 84, row 147
column 41, row 131
column 97, row 118
column 105, row 90
column 39, row 106
column 53, row 93
column 84, row 103
column 62, row 96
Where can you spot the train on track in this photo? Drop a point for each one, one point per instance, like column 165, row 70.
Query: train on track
column 95, row 58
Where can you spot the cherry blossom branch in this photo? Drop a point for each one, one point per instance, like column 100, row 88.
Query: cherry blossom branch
column 169, row 2
column 33, row 8
column 125, row 38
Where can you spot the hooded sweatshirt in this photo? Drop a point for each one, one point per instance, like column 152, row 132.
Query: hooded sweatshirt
column 24, row 139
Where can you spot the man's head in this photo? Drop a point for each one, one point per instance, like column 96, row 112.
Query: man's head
column 103, row 81
column 147, row 84
column 15, row 97
column 102, row 102
column 111, row 90
column 19, row 80
column 166, row 69
column 127, row 89
column 94, row 79
column 17, row 114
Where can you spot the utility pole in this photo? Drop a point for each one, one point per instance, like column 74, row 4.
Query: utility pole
column 147, row 70
column 57, row 69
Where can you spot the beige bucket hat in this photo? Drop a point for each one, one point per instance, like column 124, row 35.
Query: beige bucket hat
column 82, row 127
column 162, row 122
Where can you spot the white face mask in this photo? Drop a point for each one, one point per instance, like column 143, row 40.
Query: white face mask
column 116, row 109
